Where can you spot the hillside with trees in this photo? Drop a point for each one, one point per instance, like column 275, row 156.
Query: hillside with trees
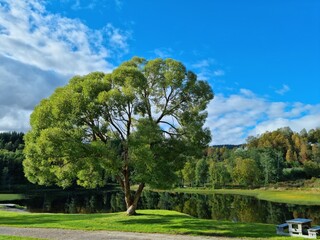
column 277, row 156
column 11, row 157
column 281, row 155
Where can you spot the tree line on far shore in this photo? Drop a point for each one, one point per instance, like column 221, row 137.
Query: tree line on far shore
column 281, row 155
column 11, row 157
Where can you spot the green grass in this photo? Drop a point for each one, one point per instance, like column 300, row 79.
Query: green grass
column 5, row 237
column 10, row 197
column 147, row 221
column 302, row 197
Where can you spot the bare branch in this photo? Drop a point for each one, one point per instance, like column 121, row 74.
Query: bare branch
column 171, row 125
column 169, row 133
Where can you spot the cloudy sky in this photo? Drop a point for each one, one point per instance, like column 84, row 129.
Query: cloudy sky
column 262, row 58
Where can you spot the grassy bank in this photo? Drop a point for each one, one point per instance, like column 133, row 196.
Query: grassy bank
column 5, row 237
column 147, row 221
column 302, row 197
column 10, row 197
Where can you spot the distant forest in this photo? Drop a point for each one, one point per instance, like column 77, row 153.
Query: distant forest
column 281, row 155
column 11, row 157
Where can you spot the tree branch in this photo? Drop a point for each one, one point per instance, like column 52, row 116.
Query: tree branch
column 171, row 125
column 117, row 128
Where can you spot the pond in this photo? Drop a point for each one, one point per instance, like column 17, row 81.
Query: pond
column 235, row 208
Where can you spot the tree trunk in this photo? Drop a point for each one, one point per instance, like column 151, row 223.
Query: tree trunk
column 131, row 202
column 132, row 206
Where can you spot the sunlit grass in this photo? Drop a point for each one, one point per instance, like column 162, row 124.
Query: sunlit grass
column 10, row 197
column 147, row 221
column 302, row 197
column 5, row 237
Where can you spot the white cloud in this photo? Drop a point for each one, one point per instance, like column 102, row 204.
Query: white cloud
column 78, row 5
column 233, row 118
column 117, row 38
column 163, row 52
column 202, row 63
column 51, row 42
column 40, row 51
column 119, row 3
column 14, row 119
column 206, row 69
column 218, row 73
column 285, row 88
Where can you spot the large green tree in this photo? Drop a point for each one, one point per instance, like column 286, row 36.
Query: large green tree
column 137, row 124
column 246, row 172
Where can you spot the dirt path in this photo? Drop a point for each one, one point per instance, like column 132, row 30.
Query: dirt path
column 62, row 234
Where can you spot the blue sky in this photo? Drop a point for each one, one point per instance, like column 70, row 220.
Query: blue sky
column 262, row 58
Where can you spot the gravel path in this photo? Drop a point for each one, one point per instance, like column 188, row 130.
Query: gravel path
column 62, row 234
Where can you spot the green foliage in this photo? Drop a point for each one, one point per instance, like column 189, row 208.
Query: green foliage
column 246, row 172
column 137, row 124
column 312, row 169
column 11, row 141
column 11, row 157
column 271, row 162
column 188, row 172
column 314, row 135
column 279, row 155
column 219, row 174
column 294, row 173
column 146, row 143
column 201, row 172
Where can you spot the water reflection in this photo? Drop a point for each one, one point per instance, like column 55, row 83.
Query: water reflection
column 217, row 206
column 235, row 208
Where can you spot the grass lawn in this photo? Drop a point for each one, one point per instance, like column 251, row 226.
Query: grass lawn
column 4, row 237
column 10, row 197
column 147, row 221
column 302, row 197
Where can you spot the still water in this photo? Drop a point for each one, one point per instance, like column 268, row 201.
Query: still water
column 216, row 206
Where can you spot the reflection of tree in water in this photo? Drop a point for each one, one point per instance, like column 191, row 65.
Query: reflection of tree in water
column 215, row 206
column 70, row 206
column 90, row 204
column 221, row 206
column 203, row 208
column 148, row 200
column 248, row 209
column 311, row 212
column 190, row 203
column 227, row 207
column 178, row 205
column 314, row 214
column 277, row 213
column 46, row 207
column 166, row 201
column 117, row 202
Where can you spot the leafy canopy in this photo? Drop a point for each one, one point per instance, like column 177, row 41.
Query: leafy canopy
column 139, row 122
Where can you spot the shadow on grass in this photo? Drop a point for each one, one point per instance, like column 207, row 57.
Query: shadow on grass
column 187, row 225
column 44, row 220
column 143, row 222
column 171, row 215
column 227, row 229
